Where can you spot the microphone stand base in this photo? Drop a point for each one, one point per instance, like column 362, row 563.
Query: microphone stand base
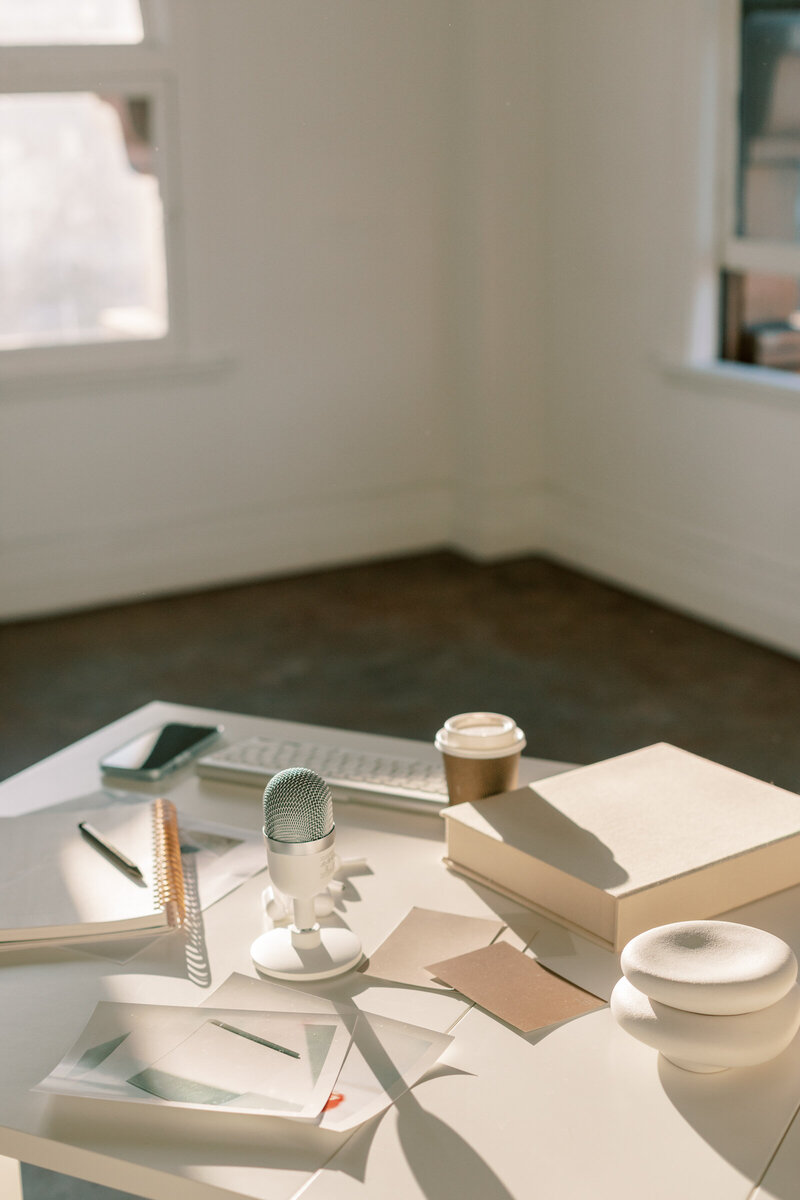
column 274, row 954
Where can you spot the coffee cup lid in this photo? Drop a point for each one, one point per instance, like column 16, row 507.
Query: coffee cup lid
column 480, row 735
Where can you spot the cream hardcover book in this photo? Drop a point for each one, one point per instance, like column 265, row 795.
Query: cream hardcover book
column 649, row 837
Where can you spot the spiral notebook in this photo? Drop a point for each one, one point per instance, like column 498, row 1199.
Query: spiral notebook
column 60, row 888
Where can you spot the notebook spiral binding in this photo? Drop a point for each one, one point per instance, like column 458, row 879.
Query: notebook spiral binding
column 169, row 884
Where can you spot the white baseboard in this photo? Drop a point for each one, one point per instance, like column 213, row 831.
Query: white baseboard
column 732, row 585
column 497, row 523
column 107, row 567
column 97, row 568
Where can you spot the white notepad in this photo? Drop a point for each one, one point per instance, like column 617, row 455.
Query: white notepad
column 59, row 887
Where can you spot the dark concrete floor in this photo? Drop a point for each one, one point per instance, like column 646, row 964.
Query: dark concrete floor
column 394, row 647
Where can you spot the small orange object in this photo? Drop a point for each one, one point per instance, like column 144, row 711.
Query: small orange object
column 333, row 1101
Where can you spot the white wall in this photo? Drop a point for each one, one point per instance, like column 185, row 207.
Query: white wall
column 315, row 164
column 679, row 484
column 359, row 222
column 445, row 261
column 497, row 301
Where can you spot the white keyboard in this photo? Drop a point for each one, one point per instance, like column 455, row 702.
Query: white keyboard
column 378, row 778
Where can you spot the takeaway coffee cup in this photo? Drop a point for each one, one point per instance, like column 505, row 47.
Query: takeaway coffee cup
column 480, row 751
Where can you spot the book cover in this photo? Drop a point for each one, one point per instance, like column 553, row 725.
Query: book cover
column 648, row 837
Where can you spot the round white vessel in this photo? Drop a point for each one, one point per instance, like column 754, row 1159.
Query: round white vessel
column 714, row 967
column 707, row 1042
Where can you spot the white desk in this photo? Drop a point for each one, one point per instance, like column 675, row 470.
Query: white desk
column 578, row 1110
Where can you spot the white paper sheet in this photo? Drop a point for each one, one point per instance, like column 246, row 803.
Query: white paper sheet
column 278, row 1064
column 385, row 1058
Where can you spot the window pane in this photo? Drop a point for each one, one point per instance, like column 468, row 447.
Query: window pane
column 769, row 177
column 76, row 22
column 81, row 223
column 762, row 320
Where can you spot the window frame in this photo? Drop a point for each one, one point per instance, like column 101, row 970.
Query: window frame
column 738, row 253
column 144, row 69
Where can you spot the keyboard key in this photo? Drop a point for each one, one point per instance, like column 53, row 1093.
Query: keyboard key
column 256, row 759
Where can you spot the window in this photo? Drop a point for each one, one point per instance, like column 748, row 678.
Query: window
column 66, row 22
column 760, row 287
column 86, row 252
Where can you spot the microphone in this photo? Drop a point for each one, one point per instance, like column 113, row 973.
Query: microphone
column 299, row 837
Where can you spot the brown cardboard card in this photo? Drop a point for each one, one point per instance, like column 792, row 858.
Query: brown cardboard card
column 425, row 935
column 515, row 987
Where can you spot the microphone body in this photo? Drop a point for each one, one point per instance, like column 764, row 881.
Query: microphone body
column 301, row 870
column 299, row 839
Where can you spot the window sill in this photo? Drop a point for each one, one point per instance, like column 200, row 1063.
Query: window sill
column 38, row 379
column 723, row 378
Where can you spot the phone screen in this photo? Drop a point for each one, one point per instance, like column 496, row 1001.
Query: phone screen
column 153, row 750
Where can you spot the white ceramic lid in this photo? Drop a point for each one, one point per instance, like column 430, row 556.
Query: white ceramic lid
column 715, row 967
column 480, row 735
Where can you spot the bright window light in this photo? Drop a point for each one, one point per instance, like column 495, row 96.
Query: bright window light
column 70, row 22
column 82, row 255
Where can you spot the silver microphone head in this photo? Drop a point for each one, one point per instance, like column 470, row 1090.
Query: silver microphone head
column 298, row 806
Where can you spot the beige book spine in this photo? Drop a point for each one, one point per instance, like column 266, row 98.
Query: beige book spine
column 531, row 881
column 169, row 882
column 613, row 921
column 524, row 902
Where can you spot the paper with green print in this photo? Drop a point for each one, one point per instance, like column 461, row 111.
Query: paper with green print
column 274, row 1063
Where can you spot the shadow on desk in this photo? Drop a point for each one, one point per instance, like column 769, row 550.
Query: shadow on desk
column 198, row 968
column 733, row 1109
column 180, row 953
column 442, row 1162
column 172, row 963
column 152, row 1135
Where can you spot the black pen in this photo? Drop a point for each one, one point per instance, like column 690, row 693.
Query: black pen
column 111, row 853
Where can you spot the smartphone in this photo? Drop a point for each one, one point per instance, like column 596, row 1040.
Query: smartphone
column 154, row 754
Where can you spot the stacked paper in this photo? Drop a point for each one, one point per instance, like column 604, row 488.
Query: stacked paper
column 249, row 1049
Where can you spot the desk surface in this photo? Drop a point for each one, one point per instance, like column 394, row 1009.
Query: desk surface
column 576, row 1110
